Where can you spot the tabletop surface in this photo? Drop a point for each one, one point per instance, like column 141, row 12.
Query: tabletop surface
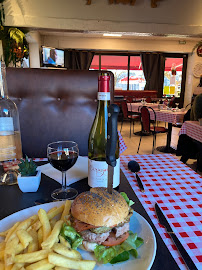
column 177, row 189
column 192, row 129
column 13, row 200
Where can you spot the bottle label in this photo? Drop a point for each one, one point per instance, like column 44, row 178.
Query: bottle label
column 6, row 124
column 98, row 173
column 103, row 96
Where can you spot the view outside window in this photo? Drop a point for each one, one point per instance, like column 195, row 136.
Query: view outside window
column 119, row 66
column 173, row 76
column 136, row 78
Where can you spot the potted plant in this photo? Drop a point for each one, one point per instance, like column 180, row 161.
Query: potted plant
column 29, row 178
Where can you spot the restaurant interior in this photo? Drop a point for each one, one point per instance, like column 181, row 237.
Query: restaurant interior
column 150, row 55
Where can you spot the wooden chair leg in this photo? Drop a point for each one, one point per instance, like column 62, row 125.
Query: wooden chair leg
column 139, row 144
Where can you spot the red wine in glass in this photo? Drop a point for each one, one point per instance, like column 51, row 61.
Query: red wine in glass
column 62, row 155
column 63, row 161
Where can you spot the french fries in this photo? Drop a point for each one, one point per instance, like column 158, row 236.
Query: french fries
column 36, row 244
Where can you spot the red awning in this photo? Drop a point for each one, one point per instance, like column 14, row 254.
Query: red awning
column 109, row 62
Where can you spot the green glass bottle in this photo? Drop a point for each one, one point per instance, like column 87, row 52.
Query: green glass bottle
column 97, row 166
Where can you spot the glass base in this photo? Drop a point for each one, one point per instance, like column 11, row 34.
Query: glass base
column 9, row 178
column 61, row 194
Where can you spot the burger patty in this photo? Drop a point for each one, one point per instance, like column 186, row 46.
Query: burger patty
column 101, row 237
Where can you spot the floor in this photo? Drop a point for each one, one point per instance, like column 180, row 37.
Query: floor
column 147, row 141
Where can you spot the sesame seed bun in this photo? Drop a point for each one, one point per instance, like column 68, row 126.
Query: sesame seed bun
column 99, row 208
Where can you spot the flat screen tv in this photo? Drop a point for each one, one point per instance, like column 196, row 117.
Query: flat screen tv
column 52, row 57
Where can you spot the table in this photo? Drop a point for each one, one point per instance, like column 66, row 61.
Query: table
column 192, row 129
column 172, row 117
column 177, row 189
column 135, row 106
column 12, row 200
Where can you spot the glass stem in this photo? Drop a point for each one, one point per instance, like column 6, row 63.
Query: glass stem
column 64, row 181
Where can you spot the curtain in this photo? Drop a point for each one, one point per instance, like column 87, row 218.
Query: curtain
column 152, row 64
column 76, row 59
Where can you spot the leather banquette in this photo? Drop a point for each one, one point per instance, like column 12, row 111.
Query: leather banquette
column 54, row 105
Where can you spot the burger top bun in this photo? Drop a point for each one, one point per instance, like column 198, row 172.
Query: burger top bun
column 99, row 208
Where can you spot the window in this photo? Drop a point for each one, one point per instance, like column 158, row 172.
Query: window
column 173, row 76
column 127, row 70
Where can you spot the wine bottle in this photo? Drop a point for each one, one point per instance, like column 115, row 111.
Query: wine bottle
column 97, row 165
column 10, row 138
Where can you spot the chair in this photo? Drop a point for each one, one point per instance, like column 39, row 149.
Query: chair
column 148, row 100
column 146, row 126
column 128, row 115
column 171, row 103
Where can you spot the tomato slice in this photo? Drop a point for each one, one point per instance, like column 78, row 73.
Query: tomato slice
column 80, row 226
column 113, row 241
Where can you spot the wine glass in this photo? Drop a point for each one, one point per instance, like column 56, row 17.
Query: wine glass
column 62, row 155
column 177, row 108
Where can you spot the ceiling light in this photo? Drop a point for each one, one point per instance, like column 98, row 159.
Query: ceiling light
column 112, row 35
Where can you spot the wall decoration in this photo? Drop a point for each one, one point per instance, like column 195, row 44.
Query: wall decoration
column 198, row 48
column 130, row 2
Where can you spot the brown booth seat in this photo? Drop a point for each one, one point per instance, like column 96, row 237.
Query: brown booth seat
column 135, row 93
column 54, row 105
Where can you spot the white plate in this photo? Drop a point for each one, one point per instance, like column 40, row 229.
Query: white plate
column 138, row 225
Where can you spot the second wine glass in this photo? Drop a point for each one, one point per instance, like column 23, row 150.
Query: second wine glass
column 62, row 155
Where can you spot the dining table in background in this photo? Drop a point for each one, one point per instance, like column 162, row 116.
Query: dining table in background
column 178, row 191
column 193, row 130
column 134, row 107
column 170, row 116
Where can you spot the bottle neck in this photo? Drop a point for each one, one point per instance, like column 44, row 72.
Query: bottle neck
column 3, row 84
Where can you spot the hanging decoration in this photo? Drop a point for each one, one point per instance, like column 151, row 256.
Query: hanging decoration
column 198, row 48
column 125, row 2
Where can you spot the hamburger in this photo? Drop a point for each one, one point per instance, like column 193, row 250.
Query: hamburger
column 101, row 218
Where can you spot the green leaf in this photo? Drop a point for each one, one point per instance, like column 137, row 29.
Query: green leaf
column 124, row 195
column 70, row 234
column 124, row 256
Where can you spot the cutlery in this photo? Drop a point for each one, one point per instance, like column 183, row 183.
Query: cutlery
column 113, row 111
column 134, row 167
column 163, row 221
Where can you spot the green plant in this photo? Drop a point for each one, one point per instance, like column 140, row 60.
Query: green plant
column 15, row 46
column 27, row 168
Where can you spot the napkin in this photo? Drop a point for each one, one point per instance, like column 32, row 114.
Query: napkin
column 74, row 174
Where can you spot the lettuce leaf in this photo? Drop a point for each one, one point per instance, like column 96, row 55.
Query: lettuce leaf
column 70, row 234
column 124, row 195
column 121, row 252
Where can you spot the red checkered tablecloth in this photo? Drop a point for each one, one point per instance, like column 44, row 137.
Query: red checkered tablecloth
column 135, row 106
column 178, row 191
column 192, row 129
column 170, row 116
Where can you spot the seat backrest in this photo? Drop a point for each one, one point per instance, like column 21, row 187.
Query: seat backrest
column 172, row 102
column 124, row 108
column 148, row 99
column 54, row 105
column 145, row 119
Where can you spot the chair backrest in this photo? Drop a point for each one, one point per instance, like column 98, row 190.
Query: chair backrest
column 145, row 118
column 172, row 102
column 124, row 108
column 148, row 100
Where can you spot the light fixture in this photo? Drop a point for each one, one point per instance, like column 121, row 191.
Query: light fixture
column 112, row 35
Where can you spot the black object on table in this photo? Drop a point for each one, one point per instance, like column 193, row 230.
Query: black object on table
column 13, row 200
